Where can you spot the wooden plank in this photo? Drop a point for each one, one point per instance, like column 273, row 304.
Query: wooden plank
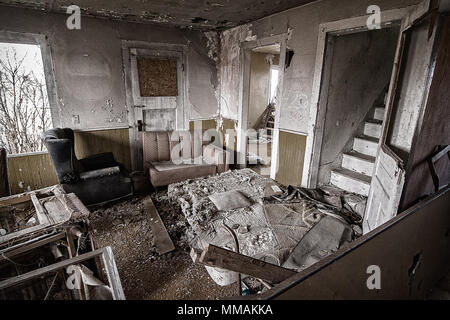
column 27, row 247
column 163, row 242
column 113, row 274
column 21, row 233
column 48, row 269
column 40, row 212
column 213, row 256
column 105, row 253
column 25, row 196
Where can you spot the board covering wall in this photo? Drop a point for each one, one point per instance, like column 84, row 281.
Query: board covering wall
column 157, row 77
column 291, row 155
column 33, row 171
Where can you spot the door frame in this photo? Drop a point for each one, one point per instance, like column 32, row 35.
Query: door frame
column 385, row 152
column 244, row 96
column 316, row 114
column 178, row 50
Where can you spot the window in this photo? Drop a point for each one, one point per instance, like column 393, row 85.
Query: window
column 24, row 105
column 274, row 74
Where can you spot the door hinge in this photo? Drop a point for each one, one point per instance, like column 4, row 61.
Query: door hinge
column 182, row 67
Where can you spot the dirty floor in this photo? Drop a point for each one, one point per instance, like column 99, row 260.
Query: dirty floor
column 144, row 273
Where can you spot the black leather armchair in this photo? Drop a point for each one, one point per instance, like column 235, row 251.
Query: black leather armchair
column 95, row 179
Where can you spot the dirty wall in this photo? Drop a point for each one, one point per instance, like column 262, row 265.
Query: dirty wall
column 88, row 65
column 303, row 25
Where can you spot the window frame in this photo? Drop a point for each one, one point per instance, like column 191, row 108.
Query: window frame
column 41, row 41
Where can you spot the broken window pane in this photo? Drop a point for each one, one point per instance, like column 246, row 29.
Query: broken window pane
column 157, row 77
column 24, row 107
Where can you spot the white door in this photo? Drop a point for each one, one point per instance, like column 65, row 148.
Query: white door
column 406, row 97
column 157, row 90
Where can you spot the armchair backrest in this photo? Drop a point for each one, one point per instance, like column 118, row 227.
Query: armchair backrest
column 60, row 145
column 159, row 146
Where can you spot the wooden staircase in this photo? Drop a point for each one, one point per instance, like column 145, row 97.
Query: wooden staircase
column 355, row 172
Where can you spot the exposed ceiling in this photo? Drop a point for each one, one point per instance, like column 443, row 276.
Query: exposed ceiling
column 198, row 14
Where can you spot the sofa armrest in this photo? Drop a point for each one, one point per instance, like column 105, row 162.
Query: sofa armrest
column 99, row 173
column 99, row 161
column 218, row 156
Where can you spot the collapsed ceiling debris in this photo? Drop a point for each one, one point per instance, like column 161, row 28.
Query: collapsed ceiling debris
column 238, row 210
column 199, row 14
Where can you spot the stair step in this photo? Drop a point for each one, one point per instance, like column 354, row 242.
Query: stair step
column 366, row 145
column 351, row 181
column 358, row 162
column 379, row 113
column 373, row 128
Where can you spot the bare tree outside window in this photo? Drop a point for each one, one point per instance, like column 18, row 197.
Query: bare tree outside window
column 24, row 106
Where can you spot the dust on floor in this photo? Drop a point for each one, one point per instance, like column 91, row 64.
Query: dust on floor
column 144, row 273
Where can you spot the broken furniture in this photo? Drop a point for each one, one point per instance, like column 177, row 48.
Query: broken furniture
column 94, row 179
column 174, row 156
column 47, row 251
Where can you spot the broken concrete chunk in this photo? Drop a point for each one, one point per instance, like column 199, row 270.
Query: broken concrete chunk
column 243, row 229
column 229, row 200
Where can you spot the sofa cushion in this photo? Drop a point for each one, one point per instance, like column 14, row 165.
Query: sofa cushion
column 166, row 172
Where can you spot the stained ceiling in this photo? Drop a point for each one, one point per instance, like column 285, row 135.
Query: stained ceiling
column 198, row 14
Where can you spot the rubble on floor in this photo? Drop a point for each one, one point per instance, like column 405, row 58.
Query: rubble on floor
column 270, row 228
column 144, row 273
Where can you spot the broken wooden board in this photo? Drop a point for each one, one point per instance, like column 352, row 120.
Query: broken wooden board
column 105, row 254
column 213, row 256
column 53, row 208
column 163, row 242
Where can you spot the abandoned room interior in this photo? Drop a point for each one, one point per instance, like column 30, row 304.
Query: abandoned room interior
column 210, row 150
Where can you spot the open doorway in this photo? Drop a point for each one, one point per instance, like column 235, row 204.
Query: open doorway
column 264, row 79
column 357, row 71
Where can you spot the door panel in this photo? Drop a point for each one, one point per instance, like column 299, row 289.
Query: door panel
column 406, row 97
column 157, row 89
column 155, row 82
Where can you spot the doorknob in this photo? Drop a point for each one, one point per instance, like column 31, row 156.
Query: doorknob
column 140, row 125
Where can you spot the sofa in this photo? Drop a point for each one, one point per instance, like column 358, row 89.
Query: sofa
column 94, row 179
column 175, row 156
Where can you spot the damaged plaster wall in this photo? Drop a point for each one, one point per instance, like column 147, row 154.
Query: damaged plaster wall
column 302, row 24
column 230, row 41
column 88, row 65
